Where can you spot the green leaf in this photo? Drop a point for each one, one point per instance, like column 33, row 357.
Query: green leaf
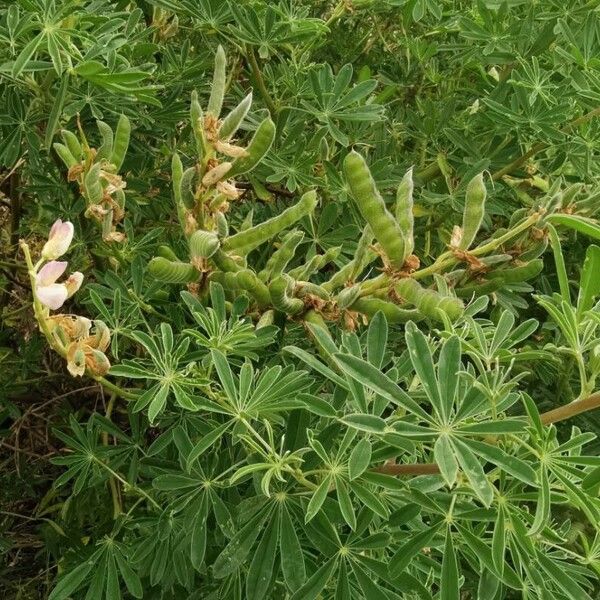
column 561, row 271
column 584, row 225
column 259, row 574
column 377, row 339
column 345, row 503
column 225, row 375
column 449, row 586
column 71, row 581
column 511, row 464
column 448, row 368
column 371, row 590
column 317, row 582
column 410, row 548
column 316, row 365
column 207, row 441
column 557, row 573
column 542, row 507
column 317, row 499
column 443, row 454
column 292, row 558
column 56, row 112
column 589, row 285
column 474, row 471
column 420, row 356
column 198, row 537
column 368, row 423
column 368, row 375
column 499, row 541
column 360, row 459
column 26, row 54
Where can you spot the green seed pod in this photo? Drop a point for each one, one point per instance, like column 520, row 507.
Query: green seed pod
column 226, row 279
column 245, row 241
column 309, row 268
column 93, row 188
column 571, row 193
column 222, row 225
column 266, row 319
column 247, row 222
column 120, row 198
column 348, row 296
column 518, row 274
column 478, row 289
column 107, row 223
column 259, row 145
column 176, row 177
column 224, row 262
column 404, row 212
column 106, row 148
column 536, row 249
column 473, row 212
column 186, row 189
column 307, row 288
column 167, row 252
column 65, row 155
column 282, row 256
column 280, row 290
column 373, row 209
column 429, row 302
column 517, row 216
column 72, row 143
column 235, row 118
column 121, row 142
column 169, row 271
column 247, row 280
column 393, row 314
column 197, row 119
column 215, row 102
column 203, row 244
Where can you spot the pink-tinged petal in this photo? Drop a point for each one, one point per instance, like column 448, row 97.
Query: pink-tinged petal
column 59, row 240
column 73, row 283
column 53, row 296
column 50, row 272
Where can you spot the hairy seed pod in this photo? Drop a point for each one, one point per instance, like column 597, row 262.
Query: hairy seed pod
column 197, row 119
column 216, row 173
column 169, row 271
column 307, row 288
column 259, row 145
column 479, row 289
column 234, row 119
column 93, row 188
column 281, row 290
column 121, row 142
column 106, row 148
column 247, row 280
column 518, row 274
column 167, row 252
column 536, row 249
column 65, row 155
column 120, row 198
column 245, row 241
column 429, row 302
column 247, row 222
column 176, row 176
column 282, row 256
column 217, row 92
column 203, row 244
column 348, row 296
column 393, row 314
column 72, row 143
column 222, row 225
column 310, row 267
column 186, row 189
column 404, row 212
column 474, row 210
column 373, row 209
column 224, row 262
column 107, row 224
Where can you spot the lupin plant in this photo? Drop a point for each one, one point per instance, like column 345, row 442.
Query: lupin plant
column 397, row 412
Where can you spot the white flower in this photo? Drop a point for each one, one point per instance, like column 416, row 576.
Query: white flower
column 50, row 293
column 59, row 240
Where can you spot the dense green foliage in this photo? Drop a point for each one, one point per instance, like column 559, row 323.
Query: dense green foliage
column 333, row 318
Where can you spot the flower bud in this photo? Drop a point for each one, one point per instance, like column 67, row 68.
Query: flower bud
column 59, row 240
column 73, row 283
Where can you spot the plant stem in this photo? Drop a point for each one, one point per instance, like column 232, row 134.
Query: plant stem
column 260, row 82
column 552, row 416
